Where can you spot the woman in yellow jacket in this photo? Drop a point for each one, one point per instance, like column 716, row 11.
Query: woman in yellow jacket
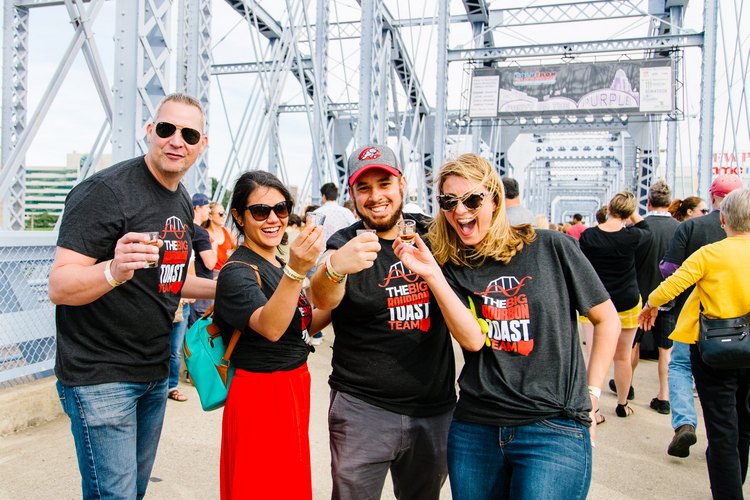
column 719, row 272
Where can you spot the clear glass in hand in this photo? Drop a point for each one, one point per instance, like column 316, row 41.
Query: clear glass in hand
column 152, row 238
column 407, row 231
column 314, row 219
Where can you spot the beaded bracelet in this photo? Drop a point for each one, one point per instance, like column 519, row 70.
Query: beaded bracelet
column 291, row 273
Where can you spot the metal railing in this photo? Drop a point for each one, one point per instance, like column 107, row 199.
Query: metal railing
column 27, row 317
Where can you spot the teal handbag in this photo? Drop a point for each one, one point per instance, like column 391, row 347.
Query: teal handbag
column 207, row 360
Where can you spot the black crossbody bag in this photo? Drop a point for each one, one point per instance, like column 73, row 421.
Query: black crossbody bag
column 725, row 343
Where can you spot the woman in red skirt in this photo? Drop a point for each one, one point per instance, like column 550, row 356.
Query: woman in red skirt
column 265, row 449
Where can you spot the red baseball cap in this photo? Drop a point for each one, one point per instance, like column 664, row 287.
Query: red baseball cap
column 725, row 184
column 372, row 156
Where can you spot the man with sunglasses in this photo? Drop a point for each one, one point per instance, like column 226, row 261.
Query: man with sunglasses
column 117, row 288
column 392, row 384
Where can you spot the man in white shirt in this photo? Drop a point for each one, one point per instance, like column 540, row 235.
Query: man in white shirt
column 337, row 217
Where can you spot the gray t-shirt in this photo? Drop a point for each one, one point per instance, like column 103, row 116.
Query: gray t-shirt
column 518, row 215
column 531, row 367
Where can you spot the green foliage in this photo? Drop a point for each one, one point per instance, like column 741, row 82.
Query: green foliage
column 227, row 194
column 44, row 220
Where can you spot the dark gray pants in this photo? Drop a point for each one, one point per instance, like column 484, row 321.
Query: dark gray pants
column 367, row 441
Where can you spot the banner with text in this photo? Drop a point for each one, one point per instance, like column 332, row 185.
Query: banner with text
column 642, row 86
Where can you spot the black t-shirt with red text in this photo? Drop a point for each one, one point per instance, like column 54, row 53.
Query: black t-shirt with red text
column 238, row 296
column 123, row 336
column 392, row 348
column 531, row 367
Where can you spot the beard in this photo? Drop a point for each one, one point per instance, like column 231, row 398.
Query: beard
column 385, row 225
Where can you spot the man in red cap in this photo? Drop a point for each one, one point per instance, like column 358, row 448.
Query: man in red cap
column 689, row 237
column 392, row 384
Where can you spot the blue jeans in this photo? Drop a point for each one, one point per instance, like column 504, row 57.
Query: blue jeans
column 681, row 386
column 547, row 459
column 116, row 429
column 175, row 341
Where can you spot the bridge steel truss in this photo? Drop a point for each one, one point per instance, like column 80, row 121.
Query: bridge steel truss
column 297, row 47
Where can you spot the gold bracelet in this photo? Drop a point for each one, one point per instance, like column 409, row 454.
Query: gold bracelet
column 291, row 273
column 108, row 275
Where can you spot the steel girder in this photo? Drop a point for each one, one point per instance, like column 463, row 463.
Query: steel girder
column 656, row 43
column 255, row 67
column 404, row 67
column 17, row 53
column 441, row 100
column 322, row 153
column 258, row 120
column 194, row 75
column 259, row 18
column 15, row 76
column 708, row 85
column 580, row 11
column 371, row 73
column 142, row 72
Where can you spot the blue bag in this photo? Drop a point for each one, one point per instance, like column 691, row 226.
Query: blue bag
column 207, row 359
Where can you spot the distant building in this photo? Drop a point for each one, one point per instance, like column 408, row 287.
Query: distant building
column 47, row 186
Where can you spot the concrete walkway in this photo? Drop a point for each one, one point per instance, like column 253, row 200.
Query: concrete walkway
column 630, row 459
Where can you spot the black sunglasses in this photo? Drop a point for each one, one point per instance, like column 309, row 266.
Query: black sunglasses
column 166, row 130
column 449, row 202
column 260, row 212
column 704, row 211
column 221, row 214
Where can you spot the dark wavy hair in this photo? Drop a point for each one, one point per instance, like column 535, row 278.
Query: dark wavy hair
column 246, row 184
column 678, row 208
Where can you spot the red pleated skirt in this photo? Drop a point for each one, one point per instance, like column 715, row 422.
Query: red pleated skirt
column 265, row 445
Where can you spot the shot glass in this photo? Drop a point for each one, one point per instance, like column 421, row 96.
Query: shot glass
column 363, row 231
column 152, row 239
column 407, row 231
column 313, row 219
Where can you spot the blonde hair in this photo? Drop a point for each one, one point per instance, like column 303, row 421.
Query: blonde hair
column 502, row 241
column 541, row 221
column 211, row 206
column 622, row 205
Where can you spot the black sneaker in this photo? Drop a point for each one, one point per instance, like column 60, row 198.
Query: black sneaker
column 660, row 405
column 684, row 438
column 613, row 388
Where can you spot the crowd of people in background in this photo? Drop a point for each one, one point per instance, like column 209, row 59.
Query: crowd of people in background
column 396, row 286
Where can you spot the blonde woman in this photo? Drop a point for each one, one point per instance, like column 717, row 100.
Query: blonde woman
column 223, row 241
column 523, row 422
column 611, row 247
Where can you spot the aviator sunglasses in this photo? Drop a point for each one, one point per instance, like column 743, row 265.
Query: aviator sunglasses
column 165, row 130
column 260, row 212
column 449, row 202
